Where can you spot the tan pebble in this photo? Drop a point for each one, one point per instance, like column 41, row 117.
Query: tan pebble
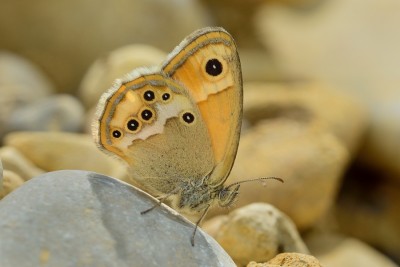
column 15, row 161
column 52, row 151
column 11, row 181
column 311, row 103
column 213, row 225
column 116, row 64
column 293, row 260
column 310, row 161
column 334, row 249
column 258, row 232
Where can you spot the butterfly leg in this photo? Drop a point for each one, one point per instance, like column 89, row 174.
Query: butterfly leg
column 198, row 223
column 160, row 201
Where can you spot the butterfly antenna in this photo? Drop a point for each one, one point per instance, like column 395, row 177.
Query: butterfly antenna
column 256, row 179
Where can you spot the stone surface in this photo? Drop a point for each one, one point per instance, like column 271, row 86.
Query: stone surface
column 14, row 161
column 355, row 52
column 65, row 42
column 311, row 103
column 309, row 160
column 257, row 232
column 11, row 181
column 58, row 151
column 102, row 73
column 289, row 260
column 368, row 209
column 21, row 83
column 55, row 113
column 78, row 218
column 337, row 250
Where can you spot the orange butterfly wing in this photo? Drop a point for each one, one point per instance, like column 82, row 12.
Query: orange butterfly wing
column 207, row 64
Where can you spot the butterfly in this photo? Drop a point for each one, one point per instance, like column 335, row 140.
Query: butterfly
column 177, row 125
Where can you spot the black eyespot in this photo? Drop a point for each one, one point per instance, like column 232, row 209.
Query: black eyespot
column 214, row 67
column 146, row 114
column 166, row 96
column 149, row 95
column 188, row 117
column 116, row 134
column 132, row 125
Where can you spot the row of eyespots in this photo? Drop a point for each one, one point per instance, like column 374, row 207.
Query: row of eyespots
column 146, row 115
column 149, row 96
column 134, row 124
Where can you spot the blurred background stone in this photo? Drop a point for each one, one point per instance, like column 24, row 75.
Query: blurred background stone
column 355, row 52
column 55, row 113
column 21, row 83
column 311, row 103
column 65, row 37
column 333, row 249
column 15, row 161
column 52, row 151
column 256, row 232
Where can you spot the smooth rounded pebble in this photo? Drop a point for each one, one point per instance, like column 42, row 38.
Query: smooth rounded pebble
column 21, row 83
column 333, row 249
column 55, row 113
column 79, row 218
column 15, row 161
column 311, row 103
column 53, row 151
column 256, row 232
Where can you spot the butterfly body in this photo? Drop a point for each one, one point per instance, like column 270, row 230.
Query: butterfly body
column 177, row 126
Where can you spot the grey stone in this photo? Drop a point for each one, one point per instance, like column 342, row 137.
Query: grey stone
column 55, row 113
column 80, row 218
column 21, row 83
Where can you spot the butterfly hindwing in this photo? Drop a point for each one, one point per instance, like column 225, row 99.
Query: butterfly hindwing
column 151, row 123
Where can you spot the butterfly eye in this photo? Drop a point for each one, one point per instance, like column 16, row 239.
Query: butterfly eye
column 214, row 67
column 133, row 125
column 149, row 95
column 188, row 117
